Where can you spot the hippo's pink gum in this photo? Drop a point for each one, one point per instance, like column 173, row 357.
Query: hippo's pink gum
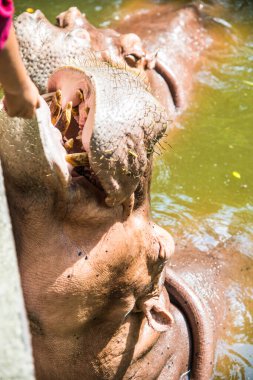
column 72, row 82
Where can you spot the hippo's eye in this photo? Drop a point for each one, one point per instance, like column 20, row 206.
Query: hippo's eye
column 132, row 59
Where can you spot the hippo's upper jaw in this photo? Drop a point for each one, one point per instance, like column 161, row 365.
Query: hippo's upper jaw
column 45, row 47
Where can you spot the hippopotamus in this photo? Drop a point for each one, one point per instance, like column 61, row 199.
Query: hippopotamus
column 104, row 297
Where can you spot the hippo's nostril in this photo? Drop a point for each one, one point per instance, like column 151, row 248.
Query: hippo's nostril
column 37, row 15
column 58, row 22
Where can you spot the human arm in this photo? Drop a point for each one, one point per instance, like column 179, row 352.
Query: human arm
column 21, row 95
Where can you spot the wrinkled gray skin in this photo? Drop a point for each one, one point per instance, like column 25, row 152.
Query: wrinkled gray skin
column 45, row 201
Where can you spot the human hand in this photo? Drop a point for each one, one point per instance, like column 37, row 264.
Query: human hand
column 24, row 102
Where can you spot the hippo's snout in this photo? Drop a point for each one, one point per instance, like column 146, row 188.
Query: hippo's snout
column 109, row 124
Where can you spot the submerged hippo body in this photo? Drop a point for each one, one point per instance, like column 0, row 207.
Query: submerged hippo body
column 93, row 273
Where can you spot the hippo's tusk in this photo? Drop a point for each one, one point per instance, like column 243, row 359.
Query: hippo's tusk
column 77, row 159
column 170, row 79
column 55, row 106
column 200, row 324
column 80, row 95
column 65, row 119
column 69, row 144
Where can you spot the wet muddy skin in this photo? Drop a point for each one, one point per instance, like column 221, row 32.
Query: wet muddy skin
column 202, row 188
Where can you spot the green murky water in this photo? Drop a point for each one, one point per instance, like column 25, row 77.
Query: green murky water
column 202, row 188
column 99, row 12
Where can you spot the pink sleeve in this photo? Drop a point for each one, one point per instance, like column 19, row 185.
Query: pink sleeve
column 6, row 13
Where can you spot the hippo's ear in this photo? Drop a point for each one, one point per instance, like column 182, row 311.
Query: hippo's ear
column 158, row 317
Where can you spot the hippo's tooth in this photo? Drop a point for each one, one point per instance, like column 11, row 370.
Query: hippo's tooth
column 75, row 111
column 79, row 136
column 75, row 114
column 79, row 93
column 77, row 159
column 64, row 122
column 58, row 96
column 67, row 113
column 55, row 107
column 83, row 114
column 69, row 144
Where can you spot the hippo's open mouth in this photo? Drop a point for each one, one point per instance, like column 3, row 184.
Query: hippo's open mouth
column 71, row 101
column 109, row 124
